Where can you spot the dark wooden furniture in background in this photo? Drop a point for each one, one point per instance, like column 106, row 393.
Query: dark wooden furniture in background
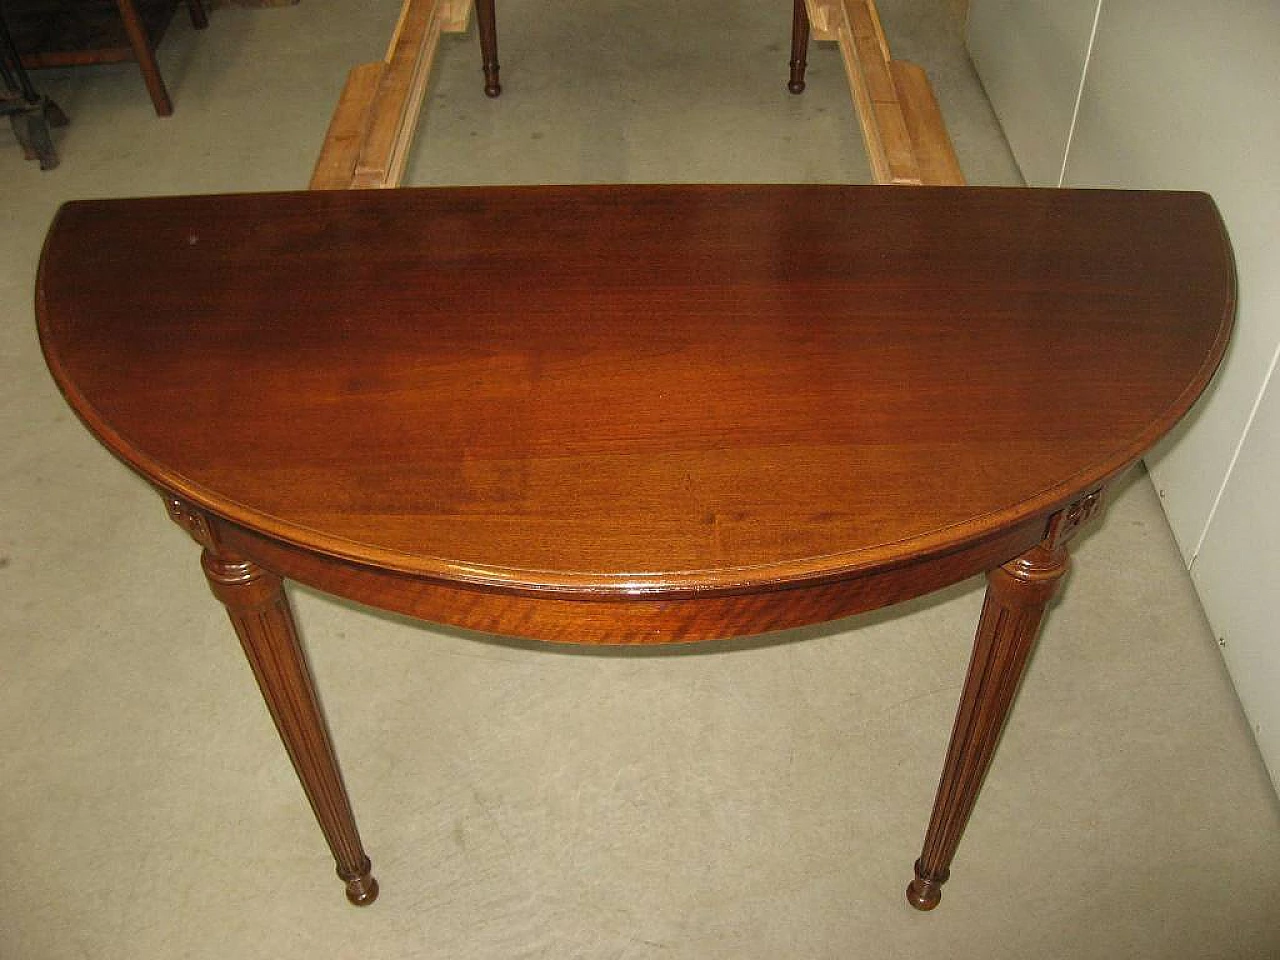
column 799, row 45
column 486, row 23
column 486, row 20
column 30, row 113
column 636, row 414
column 68, row 33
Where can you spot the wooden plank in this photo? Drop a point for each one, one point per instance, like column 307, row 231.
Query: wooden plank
column 824, row 18
column 935, row 155
column 864, row 20
column 347, row 129
column 895, row 141
column 875, row 70
column 399, row 95
column 456, row 16
column 413, row 106
column 906, row 139
column 875, row 98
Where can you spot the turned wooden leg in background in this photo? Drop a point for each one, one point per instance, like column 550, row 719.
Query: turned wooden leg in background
column 799, row 45
column 260, row 613
column 1017, row 594
column 199, row 19
column 136, row 30
column 488, row 46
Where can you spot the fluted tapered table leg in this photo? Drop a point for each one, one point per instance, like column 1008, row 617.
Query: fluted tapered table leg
column 1017, row 595
column 260, row 613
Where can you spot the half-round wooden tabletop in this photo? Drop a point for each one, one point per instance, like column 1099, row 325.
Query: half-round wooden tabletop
column 634, row 390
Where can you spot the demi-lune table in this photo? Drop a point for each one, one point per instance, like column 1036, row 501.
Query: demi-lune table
column 635, row 414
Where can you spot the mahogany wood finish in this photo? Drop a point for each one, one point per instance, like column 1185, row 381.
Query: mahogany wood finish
column 260, row 613
column 636, row 414
column 141, row 42
column 1017, row 594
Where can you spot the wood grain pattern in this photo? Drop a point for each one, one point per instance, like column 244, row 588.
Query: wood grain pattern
column 902, row 127
column 824, row 15
column 397, row 104
column 622, row 391
column 456, row 16
column 636, row 414
column 336, row 165
column 372, row 129
column 1017, row 594
column 931, row 146
column 260, row 614
column 634, row 620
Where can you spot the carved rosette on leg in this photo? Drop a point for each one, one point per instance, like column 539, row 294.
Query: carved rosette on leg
column 1017, row 595
column 259, row 612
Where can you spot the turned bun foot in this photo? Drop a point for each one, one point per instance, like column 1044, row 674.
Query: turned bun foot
column 362, row 890
column 924, row 893
column 492, row 89
column 796, row 86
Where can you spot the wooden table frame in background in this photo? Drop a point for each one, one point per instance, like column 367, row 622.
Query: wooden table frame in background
column 376, row 119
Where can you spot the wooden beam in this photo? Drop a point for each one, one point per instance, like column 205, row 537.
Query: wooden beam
column 823, row 17
column 372, row 130
column 398, row 100
column 935, row 155
column 373, row 126
column 337, row 162
column 456, row 16
column 884, row 129
column 902, row 127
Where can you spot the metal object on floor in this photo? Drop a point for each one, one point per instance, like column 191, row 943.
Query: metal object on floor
column 30, row 113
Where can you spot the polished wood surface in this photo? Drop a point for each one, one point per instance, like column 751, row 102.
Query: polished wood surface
column 262, row 618
column 1017, row 594
column 636, row 414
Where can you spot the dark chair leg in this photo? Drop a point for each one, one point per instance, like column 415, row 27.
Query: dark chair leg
column 799, row 45
column 199, row 19
column 146, row 57
column 488, row 46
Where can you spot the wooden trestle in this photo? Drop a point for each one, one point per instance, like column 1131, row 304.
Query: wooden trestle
column 373, row 126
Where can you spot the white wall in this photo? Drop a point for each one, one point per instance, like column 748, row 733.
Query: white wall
column 1186, row 96
column 1031, row 56
column 1239, row 579
column 1181, row 94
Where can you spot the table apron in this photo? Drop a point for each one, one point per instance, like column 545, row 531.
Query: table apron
column 630, row 619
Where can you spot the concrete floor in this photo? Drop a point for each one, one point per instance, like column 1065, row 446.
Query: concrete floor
column 521, row 801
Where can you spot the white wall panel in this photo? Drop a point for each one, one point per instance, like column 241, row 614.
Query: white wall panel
column 1184, row 95
column 1238, row 575
column 1179, row 94
column 1030, row 55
